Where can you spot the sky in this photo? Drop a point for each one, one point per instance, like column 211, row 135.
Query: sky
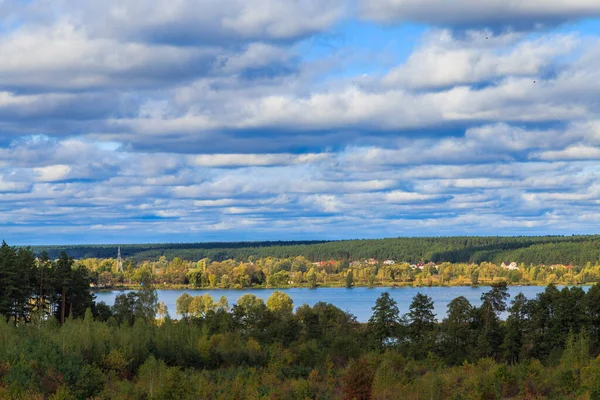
column 204, row 120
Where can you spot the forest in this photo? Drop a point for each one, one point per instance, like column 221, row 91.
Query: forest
column 300, row 272
column 466, row 249
column 56, row 342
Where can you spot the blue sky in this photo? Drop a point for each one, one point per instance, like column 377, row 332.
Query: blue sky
column 198, row 120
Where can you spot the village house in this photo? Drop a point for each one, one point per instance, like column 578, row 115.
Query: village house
column 324, row 263
column 511, row 267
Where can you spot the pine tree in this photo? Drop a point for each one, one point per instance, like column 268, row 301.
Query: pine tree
column 384, row 324
column 515, row 329
column 421, row 325
column 457, row 331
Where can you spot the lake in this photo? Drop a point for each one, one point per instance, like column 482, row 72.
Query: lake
column 357, row 301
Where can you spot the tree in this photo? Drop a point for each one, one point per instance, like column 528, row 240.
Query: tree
column 372, row 278
column 225, row 281
column 457, row 334
column 248, row 303
column 358, row 380
column 44, row 266
column 494, row 301
column 384, row 324
column 162, row 310
column 79, row 297
column 124, row 308
column 515, row 329
column 349, row 279
column 201, row 305
column 8, row 280
column 183, row 305
column 491, row 335
column 146, row 305
column 592, row 309
column 421, row 324
column 17, row 282
column 249, row 313
column 102, row 311
column 311, row 277
column 70, row 288
column 475, row 277
column 152, row 375
column 195, row 276
column 280, row 303
column 222, row 304
column 387, row 377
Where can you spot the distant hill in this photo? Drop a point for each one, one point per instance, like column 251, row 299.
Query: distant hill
column 577, row 250
column 149, row 251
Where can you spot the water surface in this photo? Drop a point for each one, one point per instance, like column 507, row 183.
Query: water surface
column 358, row 301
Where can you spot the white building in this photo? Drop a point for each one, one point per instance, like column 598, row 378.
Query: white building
column 511, row 267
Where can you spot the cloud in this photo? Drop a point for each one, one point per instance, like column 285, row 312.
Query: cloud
column 265, row 190
column 66, row 57
column 473, row 13
column 443, row 60
column 187, row 22
column 196, row 120
column 577, row 152
column 7, row 186
column 228, row 114
column 239, row 160
column 520, row 92
column 52, row 172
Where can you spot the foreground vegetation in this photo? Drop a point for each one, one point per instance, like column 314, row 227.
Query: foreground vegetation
column 546, row 348
column 57, row 343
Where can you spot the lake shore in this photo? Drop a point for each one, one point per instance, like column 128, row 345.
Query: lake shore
column 390, row 285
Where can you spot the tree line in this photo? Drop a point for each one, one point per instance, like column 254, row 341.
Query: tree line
column 37, row 287
column 528, row 249
column 301, row 272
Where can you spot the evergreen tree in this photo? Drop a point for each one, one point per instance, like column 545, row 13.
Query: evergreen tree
column 515, row 329
column 384, row 324
column 592, row 312
column 60, row 280
column 491, row 335
column 70, row 289
column 457, row 331
column 9, row 281
column 421, row 325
